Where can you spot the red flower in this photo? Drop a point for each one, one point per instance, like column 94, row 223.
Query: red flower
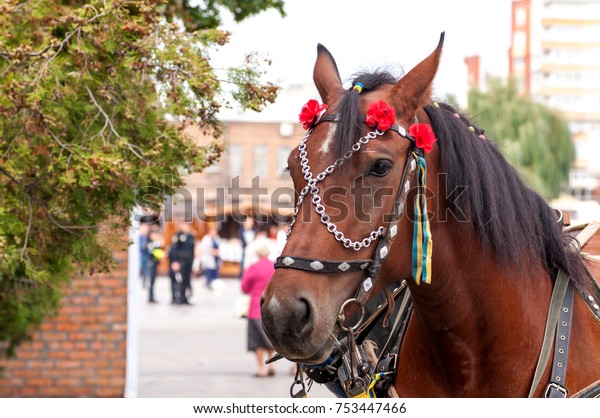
column 311, row 112
column 380, row 116
column 424, row 136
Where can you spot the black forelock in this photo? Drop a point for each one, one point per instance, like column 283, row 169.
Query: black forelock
column 349, row 121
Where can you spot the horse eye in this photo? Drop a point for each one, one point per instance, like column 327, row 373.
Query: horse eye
column 380, row 168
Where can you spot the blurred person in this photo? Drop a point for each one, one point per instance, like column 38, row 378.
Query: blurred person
column 156, row 253
column 273, row 232
column 181, row 257
column 209, row 255
column 246, row 234
column 254, row 281
column 280, row 240
column 250, row 256
column 143, row 231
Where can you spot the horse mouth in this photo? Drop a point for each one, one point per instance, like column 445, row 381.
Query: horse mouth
column 320, row 355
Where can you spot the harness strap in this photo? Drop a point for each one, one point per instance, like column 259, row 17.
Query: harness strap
column 388, row 364
column 390, row 307
column 592, row 391
column 556, row 388
column 586, row 233
column 558, row 296
column 588, row 289
column 368, row 324
column 402, row 315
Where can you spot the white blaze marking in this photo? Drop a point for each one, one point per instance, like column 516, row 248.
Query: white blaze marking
column 327, row 143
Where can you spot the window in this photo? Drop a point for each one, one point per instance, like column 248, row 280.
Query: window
column 261, row 160
column 236, row 160
column 282, row 156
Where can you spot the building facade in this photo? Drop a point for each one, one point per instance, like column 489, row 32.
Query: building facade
column 555, row 57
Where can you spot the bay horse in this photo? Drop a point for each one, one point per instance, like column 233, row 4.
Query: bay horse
column 488, row 249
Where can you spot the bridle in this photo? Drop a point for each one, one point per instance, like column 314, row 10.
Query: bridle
column 371, row 267
column 351, row 356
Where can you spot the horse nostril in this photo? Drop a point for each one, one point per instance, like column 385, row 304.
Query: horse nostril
column 304, row 316
column 290, row 318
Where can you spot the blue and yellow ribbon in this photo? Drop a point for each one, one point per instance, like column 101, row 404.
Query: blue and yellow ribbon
column 422, row 240
column 370, row 392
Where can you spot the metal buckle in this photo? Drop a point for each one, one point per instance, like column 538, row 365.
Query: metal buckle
column 393, row 363
column 556, row 387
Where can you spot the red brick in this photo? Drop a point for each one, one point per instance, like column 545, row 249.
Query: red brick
column 53, row 336
column 78, row 355
column 27, row 373
column 68, row 382
column 39, row 382
column 37, row 364
column 28, row 392
column 68, row 364
column 109, row 393
column 81, row 391
column 109, row 372
column 106, row 283
column 81, row 336
column 98, row 381
column 83, row 300
column 53, row 391
column 58, row 355
column 71, row 310
column 82, row 345
column 67, row 326
column 67, row 346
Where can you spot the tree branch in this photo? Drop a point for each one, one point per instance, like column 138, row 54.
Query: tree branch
column 28, row 227
column 107, row 118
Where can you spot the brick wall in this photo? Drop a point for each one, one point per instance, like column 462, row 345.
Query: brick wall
column 82, row 351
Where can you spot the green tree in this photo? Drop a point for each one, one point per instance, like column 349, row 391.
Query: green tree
column 535, row 139
column 94, row 99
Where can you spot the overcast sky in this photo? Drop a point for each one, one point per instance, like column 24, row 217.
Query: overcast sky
column 370, row 33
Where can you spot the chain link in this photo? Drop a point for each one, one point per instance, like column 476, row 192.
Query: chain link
column 311, row 187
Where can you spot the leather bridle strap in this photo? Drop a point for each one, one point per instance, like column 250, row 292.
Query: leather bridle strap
column 321, row 266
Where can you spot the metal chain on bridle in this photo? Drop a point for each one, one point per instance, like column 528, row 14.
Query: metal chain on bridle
column 312, row 188
column 385, row 234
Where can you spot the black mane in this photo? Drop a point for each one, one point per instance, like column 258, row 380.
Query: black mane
column 512, row 221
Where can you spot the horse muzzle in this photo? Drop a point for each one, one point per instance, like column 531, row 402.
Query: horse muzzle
column 293, row 324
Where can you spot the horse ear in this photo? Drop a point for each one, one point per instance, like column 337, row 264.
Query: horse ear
column 326, row 76
column 414, row 89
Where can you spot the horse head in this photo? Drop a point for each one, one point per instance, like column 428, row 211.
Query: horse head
column 356, row 173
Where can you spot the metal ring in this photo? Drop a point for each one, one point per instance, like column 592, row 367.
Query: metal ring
column 560, row 213
column 342, row 318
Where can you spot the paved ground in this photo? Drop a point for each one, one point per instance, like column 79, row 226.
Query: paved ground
column 200, row 351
